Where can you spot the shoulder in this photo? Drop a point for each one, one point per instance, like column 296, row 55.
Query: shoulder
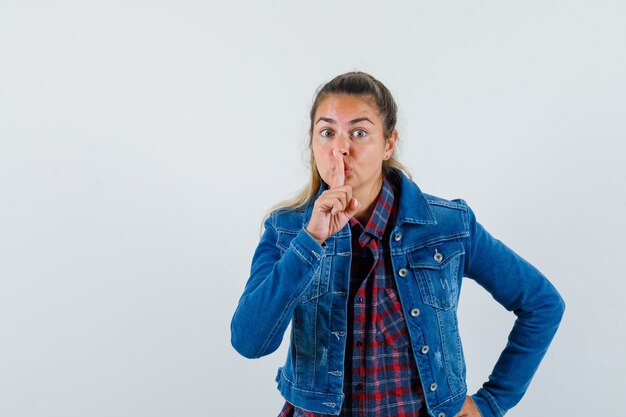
column 435, row 202
column 448, row 211
column 429, row 208
column 286, row 218
column 442, row 204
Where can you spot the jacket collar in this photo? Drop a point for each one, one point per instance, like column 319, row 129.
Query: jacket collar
column 412, row 204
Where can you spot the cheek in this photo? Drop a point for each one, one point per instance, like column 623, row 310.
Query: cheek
column 323, row 154
column 320, row 160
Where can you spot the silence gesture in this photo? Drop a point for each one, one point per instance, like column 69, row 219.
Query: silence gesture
column 334, row 207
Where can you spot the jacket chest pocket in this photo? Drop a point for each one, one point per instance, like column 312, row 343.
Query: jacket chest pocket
column 436, row 270
column 319, row 282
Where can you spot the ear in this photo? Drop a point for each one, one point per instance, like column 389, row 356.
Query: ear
column 390, row 143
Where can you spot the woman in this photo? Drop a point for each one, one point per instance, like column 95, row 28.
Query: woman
column 368, row 269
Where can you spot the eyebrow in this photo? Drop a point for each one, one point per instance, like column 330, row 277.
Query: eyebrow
column 332, row 121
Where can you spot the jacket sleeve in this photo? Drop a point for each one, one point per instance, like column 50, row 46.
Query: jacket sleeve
column 538, row 307
column 271, row 292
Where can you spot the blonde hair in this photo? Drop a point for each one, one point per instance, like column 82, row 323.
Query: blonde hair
column 359, row 84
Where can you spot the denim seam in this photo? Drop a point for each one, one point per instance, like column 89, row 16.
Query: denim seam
column 469, row 241
column 331, row 324
column 301, row 255
column 465, row 215
column 446, row 359
column 318, row 393
column 453, row 397
column 429, row 242
column 287, row 230
column 459, row 351
column 494, row 401
column 315, row 308
column 297, row 349
column 275, row 328
column 449, row 204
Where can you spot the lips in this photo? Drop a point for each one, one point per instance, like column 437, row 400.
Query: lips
column 347, row 169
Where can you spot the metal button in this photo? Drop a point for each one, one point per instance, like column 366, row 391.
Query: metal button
column 359, row 300
column 438, row 256
column 441, row 415
column 415, row 312
column 402, row 272
column 397, row 236
column 425, row 349
column 433, row 386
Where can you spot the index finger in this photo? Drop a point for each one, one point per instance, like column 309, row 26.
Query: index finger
column 340, row 175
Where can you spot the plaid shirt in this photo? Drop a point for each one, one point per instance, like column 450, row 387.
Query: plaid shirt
column 380, row 378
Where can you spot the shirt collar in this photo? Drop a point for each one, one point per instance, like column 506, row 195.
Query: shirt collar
column 380, row 216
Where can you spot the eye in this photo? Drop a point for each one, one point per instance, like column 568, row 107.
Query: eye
column 359, row 133
column 324, row 131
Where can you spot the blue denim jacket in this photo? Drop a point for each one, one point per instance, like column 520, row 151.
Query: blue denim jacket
column 434, row 244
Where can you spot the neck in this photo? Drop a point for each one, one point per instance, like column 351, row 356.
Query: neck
column 367, row 198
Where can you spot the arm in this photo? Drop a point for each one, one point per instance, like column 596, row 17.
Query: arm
column 522, row 289
column 270, row 295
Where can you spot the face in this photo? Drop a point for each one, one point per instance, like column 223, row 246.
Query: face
column 350, row 124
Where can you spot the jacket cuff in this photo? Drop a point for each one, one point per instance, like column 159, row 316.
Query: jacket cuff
column 486, row 404
column 307, row 248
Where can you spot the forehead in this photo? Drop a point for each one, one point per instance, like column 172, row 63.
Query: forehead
column 343, row 106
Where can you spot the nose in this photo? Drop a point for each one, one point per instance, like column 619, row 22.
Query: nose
column 342, row 145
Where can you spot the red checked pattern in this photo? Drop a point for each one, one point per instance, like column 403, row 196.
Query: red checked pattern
column 381, row 378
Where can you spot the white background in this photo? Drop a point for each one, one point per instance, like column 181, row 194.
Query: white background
column 141, row 142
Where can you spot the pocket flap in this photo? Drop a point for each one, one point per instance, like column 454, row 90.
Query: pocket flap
column 435, row 256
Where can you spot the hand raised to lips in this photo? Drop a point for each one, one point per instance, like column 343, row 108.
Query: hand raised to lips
column 334, row 207
column 340, row 175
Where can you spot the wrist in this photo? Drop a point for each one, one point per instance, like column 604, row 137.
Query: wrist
column 320, row 241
